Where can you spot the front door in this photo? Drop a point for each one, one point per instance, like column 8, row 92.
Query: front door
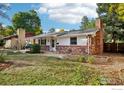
column 53, row 45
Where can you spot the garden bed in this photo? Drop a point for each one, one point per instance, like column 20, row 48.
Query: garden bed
column 103, row 60
column 4, row 65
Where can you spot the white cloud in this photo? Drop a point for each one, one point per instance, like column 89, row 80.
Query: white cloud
column 42, row 10
column 7, row 4
column 3, row 25
column 53, row 5
column 68, row 12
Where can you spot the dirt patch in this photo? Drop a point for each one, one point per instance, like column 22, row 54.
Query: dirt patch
column 19, row 64
column 111, row 67
column 4, row 65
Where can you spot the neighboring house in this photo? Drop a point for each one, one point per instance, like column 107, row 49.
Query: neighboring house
column 11, row 41
column 89, row 41
column 1, row 37
column 18, row 40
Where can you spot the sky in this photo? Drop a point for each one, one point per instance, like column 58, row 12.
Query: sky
column 55, row 15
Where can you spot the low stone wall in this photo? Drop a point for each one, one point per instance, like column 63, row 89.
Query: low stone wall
column 46, row 48
column 72, row 49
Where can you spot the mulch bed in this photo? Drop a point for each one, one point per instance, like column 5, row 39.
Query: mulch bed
column 4, row 65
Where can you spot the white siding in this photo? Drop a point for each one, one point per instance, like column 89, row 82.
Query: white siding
column 63, row 40
column 48, row 41
column 81, row 40
column 8, row 44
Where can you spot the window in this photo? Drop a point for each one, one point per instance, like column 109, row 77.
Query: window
column 73, row 40
column 43, row 41
column 39, row 41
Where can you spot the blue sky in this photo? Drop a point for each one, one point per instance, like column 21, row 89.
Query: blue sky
column 67, row 16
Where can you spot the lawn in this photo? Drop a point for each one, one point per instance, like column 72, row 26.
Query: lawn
column 34, row 69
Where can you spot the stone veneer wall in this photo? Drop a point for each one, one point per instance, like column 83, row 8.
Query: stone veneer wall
column 46, row 48
column 73, row 49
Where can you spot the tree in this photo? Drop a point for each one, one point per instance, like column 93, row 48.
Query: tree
column 9, row 30
column 52, row 30
column 38, row 31
column 112, row 15
column 3, row 7
column 6, row 31
column 61, row 30
column 28, row 21
column 2, row 14
column 86, row 23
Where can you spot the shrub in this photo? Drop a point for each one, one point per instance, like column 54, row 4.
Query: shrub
column 82, row 59
column 2, row 42
column 87, row 76
column 91, row 59
column 35, row 48
column 2, row 59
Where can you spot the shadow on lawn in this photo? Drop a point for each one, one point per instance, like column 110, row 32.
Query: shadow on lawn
column 22, row 65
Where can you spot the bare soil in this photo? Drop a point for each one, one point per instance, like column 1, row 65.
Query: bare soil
column 4, row 65
column 111, row 67
column 19, row 64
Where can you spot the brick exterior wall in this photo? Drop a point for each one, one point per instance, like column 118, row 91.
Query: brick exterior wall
column 96, row 46
column 73, row 49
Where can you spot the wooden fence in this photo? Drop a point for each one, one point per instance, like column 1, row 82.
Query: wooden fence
column 114, row 47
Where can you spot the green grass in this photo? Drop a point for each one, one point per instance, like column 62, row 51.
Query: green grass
column 40, row 70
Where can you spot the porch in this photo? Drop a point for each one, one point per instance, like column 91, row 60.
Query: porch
column 47, row 42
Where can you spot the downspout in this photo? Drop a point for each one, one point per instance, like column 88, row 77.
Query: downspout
column 88, row 46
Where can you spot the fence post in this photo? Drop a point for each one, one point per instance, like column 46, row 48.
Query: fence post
column 117, row 47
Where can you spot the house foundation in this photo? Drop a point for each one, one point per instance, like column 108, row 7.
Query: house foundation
column 72, row 50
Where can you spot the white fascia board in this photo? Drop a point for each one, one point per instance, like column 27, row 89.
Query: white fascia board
column 81, row 34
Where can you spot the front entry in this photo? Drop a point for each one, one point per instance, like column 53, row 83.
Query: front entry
column 53, row 45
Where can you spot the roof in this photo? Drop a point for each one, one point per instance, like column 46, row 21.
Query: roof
column 11, row 36
column 53, row 34
column 29, row 34
column 67, row 33
column 78, row 32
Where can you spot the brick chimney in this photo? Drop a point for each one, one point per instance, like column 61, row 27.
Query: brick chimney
column 99, row 24
column 99, row 27
column 21, row 38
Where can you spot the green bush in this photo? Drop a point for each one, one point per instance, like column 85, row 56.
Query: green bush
column 87, row 76
column 82, row 59
column 35, row 48
column 2, row 59
column 91, row 59
column 2, row 42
